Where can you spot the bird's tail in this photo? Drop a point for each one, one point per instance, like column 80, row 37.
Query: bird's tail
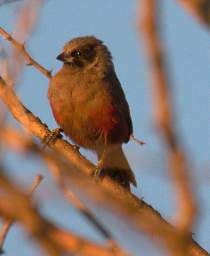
column 116, row 165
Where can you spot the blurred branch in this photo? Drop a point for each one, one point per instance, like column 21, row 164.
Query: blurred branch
column 4, row 69
column 3, row 234
column 4, row 65
column 144, row 217
column 25, row 22
column 29, row 60
column 163, row 115
column 24, row 144
column 81, row 208
column 8, row 223
column 199, row 8
column 16, row 205
column 11, row 64
column 3, row 2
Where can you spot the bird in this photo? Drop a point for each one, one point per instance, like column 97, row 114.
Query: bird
column 90, row 106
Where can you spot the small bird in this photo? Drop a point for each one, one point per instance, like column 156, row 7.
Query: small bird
column 89, row 105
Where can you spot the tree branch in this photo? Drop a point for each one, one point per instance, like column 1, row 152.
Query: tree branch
column 142, row 215
column 29, row 60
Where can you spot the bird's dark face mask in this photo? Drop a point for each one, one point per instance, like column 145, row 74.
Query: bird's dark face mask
column 80, row 57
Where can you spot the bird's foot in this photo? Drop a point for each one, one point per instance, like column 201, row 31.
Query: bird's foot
column 100, row 164
column 51, row 137
column 98, row 170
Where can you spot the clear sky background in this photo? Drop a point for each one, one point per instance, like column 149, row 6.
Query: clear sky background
column 188, row 48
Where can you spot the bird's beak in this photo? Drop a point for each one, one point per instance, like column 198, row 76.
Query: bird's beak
column 61, row 56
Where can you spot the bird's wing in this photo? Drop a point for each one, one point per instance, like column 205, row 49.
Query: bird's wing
column 119, row 99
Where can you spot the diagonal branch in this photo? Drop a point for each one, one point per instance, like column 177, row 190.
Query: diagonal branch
column 142, row 214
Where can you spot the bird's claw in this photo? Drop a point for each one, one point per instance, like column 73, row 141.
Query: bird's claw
column 51, row 137
column 97, row 172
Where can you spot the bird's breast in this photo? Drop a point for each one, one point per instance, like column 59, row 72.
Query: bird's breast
column 83, row 107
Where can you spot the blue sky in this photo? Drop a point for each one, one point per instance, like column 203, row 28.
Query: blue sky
column 114, row 22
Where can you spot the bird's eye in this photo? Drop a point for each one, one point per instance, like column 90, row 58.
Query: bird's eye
column 76, row 53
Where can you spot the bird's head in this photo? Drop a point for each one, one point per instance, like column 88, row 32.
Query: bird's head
column 83, row 52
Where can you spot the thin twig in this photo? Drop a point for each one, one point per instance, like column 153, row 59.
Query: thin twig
column 38, row 179
column 8, row 223
column 29, row 60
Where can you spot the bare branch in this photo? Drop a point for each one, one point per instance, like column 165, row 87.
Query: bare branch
column 29, row 60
